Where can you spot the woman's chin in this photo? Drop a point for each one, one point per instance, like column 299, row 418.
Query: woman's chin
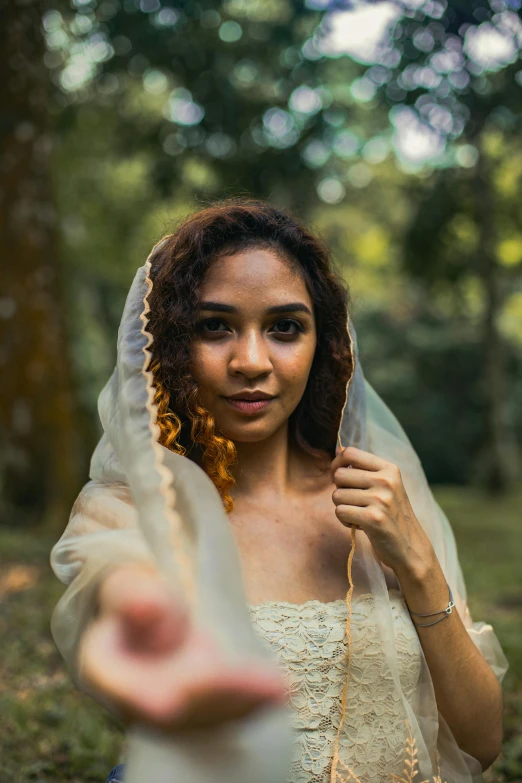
column 250, row 432
column 248, row 437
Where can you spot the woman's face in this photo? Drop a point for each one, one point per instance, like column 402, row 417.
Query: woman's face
column 256, row 333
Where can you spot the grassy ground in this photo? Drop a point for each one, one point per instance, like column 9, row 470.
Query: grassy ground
column 52, row 734
column 489, row 542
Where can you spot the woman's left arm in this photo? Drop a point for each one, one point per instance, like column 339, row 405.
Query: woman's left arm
column 370, row 495
column 468, row 694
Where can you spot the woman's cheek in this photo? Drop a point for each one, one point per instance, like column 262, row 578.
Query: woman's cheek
column 207, row 365
column 294, row 376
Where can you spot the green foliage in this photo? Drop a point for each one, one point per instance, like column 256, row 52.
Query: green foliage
column 159, row 109
column 225, row 99
column 489, row 543
column 428, row 370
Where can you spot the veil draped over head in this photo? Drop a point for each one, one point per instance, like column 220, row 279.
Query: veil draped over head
column 146, row 503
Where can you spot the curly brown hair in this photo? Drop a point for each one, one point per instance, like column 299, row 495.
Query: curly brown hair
column 178, row 267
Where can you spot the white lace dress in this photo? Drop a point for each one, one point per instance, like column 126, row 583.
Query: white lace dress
column 309, row 641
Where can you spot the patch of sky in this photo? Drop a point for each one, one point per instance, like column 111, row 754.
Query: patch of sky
column 360, row 33
column 423, row 40
column 154, row 81
column 181, row 109
column 149, row 6
column 81, row 24
column 492, row 47
column 345, row 144
column 363, row 90
column 415, row 76
column 316, row 153
column 334, row 116
column 331, row 190
column 165, row 17
column 280, row 128
column 310, row 50
column 306, row 100
column 57, row 39
column 52, row 20
column 77, row 73
column 414, row 142
column 447, row 60
column 466, row 155
column 244, row 73
column 98, row 49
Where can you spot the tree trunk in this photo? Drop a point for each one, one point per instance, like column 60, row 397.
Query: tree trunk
column 500, row 455
column 41, row 458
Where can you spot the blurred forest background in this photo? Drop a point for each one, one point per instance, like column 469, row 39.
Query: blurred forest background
column 394, row 128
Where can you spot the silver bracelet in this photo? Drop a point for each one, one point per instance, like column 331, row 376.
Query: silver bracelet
column 445, row 612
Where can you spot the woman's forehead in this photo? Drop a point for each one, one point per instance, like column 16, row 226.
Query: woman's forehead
column 255, row 272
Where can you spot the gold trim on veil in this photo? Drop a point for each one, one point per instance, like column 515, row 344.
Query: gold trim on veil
column 178, row 539
column 345, row 774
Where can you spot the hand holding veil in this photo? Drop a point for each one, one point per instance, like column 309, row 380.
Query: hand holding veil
column 147, row 504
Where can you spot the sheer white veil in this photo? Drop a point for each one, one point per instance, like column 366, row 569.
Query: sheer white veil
column 144, row 502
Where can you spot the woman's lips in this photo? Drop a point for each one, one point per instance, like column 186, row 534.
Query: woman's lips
column 249, row 406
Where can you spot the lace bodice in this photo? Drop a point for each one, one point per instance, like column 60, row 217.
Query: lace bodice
column 309, row 641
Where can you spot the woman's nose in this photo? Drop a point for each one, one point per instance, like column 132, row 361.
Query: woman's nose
column 250, row 356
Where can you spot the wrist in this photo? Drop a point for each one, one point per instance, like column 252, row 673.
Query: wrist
column 425, row 588
column 420, row 569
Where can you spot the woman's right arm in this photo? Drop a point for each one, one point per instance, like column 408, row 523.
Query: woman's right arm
column 128, row 638
column 102, row 532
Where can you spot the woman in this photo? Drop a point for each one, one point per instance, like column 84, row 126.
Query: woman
column 238, row 387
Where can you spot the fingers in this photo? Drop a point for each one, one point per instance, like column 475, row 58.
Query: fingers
column 229, row 694
column 358, row 458
column 142, row 686
column 346, row 515
column 352, row 477
column 152, row 627
column 351, row 497
column 151, row 617
column 192, row 686
column 367, row 518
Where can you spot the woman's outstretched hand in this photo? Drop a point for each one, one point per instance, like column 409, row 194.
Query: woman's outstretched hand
column 143, row 654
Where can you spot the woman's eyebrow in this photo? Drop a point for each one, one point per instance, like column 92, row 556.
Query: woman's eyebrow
column 291, row 307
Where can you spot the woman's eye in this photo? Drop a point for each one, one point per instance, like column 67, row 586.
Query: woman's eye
column 211, row 325
column 288, row 326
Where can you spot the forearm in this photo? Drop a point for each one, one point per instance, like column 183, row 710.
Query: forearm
column 468, row 694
